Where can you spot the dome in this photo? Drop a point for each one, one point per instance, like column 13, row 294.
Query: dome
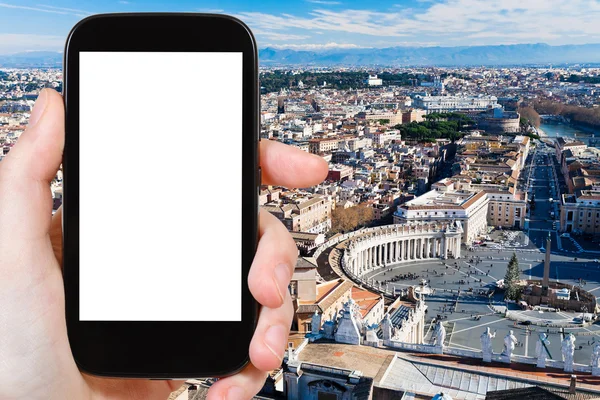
column 442, row 396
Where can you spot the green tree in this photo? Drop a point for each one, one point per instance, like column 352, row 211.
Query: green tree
column 512, row 278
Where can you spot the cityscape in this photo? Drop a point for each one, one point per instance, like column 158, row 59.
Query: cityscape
column 439, row 180
column 453, row 251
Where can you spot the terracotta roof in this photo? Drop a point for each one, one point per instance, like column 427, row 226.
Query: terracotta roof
column 327, row 294
column 365, row 299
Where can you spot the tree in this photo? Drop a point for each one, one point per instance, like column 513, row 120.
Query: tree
column 512, row 278
column 349, row 219
column 529, row 116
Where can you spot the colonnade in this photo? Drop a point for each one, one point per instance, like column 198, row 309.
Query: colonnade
column 395, row 246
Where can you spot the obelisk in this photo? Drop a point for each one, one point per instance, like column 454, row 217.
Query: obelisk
column 546, row 279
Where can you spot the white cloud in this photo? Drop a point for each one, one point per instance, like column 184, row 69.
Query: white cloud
column 73, row 10
column 315, row 46
column 277, row 35
column 447, row 22
column 46, row 10
column 15, row 42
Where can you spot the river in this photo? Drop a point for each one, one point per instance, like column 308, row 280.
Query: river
column 554, row 130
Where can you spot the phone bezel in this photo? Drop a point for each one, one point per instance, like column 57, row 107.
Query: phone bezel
column 151, row 349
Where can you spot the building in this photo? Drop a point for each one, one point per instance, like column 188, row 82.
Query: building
column 440, row 104
column 507, row 207
column 371, row 305
column 380, row 138
column 468, row 207
column 580, row 212
column 373, row 80
column 329, row 144
column 340, row 173
column 413, row 115
column 359, row 143
column 328, row 299
column 497, row 120
column 576, row 147
column 306, row 242
column 310, row 214
column 394, row 117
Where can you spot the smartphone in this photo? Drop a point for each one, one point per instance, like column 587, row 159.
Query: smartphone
column 161, row 183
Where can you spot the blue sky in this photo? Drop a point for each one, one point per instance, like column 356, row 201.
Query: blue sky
column 27, row 25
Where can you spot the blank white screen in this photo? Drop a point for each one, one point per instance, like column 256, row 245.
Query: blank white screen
column 160, row 186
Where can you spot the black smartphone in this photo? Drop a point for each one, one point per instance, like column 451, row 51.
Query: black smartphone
column 161, row 182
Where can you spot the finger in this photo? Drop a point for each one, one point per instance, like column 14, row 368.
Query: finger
column 273, row 263
column 270, row 337
column 133, row 389
column 25, row 173
column 242, row 386
column 289, row 166
column 56, row 235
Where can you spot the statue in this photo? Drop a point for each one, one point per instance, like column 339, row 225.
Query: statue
column 440, row 335
column 596, row 359
column 541, row 350
column 509, row 344
column 349, row 329
column 386, row 327
column 372, row 333
column 568, row 350
column 315, row 324
column 486, row 344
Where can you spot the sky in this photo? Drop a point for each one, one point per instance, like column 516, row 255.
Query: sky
column 27, row 25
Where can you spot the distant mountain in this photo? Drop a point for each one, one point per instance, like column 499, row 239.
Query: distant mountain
column 441, row 56
column 517, row 54
column 32, row 59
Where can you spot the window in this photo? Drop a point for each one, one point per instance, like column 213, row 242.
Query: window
column 326, row 396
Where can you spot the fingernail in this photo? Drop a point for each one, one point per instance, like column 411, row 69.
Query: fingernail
column 282, row 279
column 38, row 108
column 275, row 340
column 236, row 393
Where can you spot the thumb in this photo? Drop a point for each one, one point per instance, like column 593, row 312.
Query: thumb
column 26, row 172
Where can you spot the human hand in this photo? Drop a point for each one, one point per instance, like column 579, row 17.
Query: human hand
column 35, row 357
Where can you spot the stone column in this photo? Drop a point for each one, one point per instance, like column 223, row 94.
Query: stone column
column 385, row 253
column 416, row 249
column 361, row 261
column 457, row 255
column 444, row 247
column 397, row 250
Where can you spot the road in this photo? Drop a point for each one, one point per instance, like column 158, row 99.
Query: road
column 467, row 314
